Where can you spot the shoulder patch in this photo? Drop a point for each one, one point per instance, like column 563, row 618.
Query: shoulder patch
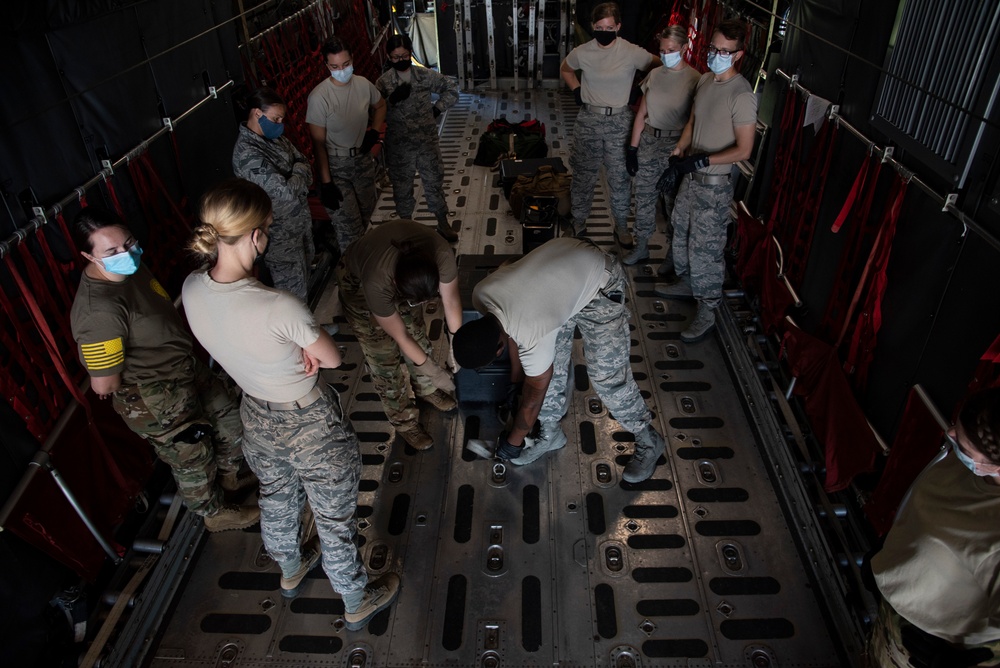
column 158, row 289
column 103, row 355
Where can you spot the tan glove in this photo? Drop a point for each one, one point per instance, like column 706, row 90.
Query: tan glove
column 439, row 378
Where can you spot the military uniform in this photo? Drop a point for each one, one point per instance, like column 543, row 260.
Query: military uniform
column 285, row 174
column 297, row 439
column 313, row 453
column 411, row 137
column 939, row 565
column 603, row 126
column 365, row 276
column 343, row 112
column 701, row 210
column 668, row 96
column 585, row 289
column 186, row 412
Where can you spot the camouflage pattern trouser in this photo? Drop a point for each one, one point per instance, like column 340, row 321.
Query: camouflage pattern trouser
column 194, row 427
column 392, row 373
column 597, row 140
column 700, row 218
column 290, row 253
column 405, row 158
column 885, row 646
column 603, row 325
column 356, row 179
column 654, row 157
column 307, row 452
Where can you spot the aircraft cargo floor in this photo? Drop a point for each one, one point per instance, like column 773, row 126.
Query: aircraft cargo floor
column 559, row 563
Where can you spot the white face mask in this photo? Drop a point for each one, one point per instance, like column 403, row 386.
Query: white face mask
column 671, row 59
column 343, row 75
column 981, row 470
column 719, row 63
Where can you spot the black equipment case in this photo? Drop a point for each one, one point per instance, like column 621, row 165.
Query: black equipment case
column 489, row 384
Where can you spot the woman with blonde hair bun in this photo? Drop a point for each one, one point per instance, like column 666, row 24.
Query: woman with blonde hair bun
column 296, row 437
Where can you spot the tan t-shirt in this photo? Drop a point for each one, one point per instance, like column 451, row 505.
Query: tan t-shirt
column 535, row 296
column 940, row 565
column 342, row 110
column 669, row 94
column 131, row 328
column 372, row 258
column 607, row 75
column 718, row 108
column 255, row 332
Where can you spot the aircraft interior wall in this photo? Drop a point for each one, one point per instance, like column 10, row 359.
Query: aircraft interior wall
column 938, row 315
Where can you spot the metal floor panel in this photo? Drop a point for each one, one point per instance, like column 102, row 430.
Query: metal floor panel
column 557, row 563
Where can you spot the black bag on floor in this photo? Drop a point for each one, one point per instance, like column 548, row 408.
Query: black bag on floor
column 504, row 140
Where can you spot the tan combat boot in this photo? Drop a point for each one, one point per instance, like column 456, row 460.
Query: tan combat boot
column 228, row 518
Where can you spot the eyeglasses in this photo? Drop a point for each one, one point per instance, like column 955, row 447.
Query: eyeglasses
column 398, row 59
column 722, row 52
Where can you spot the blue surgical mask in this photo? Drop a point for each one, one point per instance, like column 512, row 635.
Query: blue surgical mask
column 719, row 63
column 270, row 129
column 671, row 59
column 123, row 264
column 344, row 75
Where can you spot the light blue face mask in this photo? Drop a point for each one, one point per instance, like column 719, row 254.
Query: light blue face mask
column 344, row 75
column 670, row 59
column 123, row 264
column 971, row 463
column 719, row 63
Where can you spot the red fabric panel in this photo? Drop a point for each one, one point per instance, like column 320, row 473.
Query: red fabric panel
column 44, row 518
column 774, row 296
column 837, row 421
column 859, row 226
column 862, row 349
column 750, row 235
column 988, row 370
column 803, row 225
column 917, row 441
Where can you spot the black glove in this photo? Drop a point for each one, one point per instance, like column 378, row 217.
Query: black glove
column 330, row 195
column 691, row 163
column 371, row 138
column 401, row 93
column 578, row 96
column 632, row 160
column 667, row 184
column 507, row 407
column 437, row 112
column 634, row 95
column 927, row 651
